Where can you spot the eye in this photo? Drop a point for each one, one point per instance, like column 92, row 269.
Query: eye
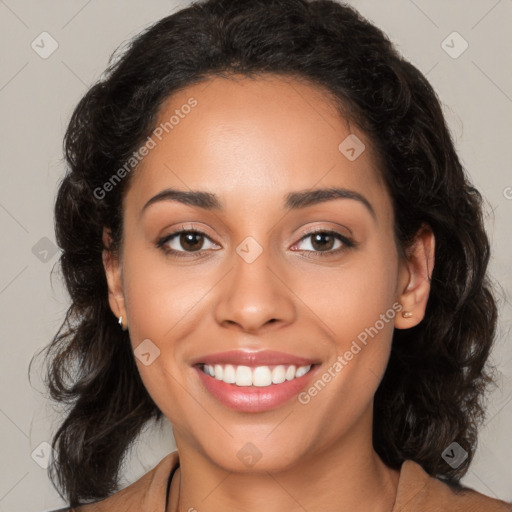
column 184, row 241
column 190, row 243
column 323, row 242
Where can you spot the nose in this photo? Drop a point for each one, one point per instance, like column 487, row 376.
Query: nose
column 255, row 296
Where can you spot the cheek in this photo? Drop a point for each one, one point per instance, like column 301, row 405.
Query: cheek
column 160, row 295
column 354, row 304
column 351, row 296
column 160, row 302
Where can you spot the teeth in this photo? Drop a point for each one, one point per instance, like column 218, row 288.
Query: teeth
column 278, row 374
column 229, row 375
column 301, row 371
column 260, row 376
column 218, row 371
column 243, row 376
column 290, row 373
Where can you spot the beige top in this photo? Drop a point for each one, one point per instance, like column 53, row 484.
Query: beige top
column 417, row 492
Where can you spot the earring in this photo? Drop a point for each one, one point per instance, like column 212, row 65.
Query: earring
column 121, row 324
column 406, row 314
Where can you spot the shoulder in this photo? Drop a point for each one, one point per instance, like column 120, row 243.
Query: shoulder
column 418, row 491
column 148, row 493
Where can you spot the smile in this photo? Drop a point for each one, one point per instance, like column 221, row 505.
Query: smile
column 259, row 376
column 254, row 388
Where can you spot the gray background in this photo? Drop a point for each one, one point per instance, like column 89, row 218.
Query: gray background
column 37, row 96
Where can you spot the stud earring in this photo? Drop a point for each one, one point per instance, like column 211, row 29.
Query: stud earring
column 406, row 314
column 121, row 324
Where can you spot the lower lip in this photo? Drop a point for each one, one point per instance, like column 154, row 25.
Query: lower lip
column 254, row 398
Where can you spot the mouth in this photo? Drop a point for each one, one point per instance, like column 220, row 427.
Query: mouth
column 254, row 389
column 258, row 376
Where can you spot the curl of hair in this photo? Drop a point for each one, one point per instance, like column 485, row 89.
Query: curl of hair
column 432, row 391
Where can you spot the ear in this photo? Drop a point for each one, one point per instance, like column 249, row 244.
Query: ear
column 414, row 278
column 112, row 267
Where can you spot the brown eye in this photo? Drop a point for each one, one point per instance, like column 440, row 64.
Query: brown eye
column 182, row 242
column 324, row 243
column 191, row 241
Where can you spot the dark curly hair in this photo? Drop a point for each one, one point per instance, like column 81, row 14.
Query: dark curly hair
column 432, row 391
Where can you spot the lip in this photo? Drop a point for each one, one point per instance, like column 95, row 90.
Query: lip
column 253, row 358
column 254, row 399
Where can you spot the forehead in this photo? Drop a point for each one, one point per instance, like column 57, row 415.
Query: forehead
column 253, row 140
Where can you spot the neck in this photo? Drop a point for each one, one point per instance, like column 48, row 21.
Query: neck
column 347, row 475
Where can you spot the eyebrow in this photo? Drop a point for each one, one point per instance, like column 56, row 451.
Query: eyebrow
column 293, row 200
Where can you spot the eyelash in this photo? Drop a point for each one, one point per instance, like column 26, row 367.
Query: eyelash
column 348, row 244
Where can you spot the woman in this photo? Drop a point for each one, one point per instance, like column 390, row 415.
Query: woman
column 269, row 240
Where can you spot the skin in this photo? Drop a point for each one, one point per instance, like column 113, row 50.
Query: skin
column 251, row 142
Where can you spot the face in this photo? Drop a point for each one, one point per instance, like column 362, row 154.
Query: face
column 265, row 263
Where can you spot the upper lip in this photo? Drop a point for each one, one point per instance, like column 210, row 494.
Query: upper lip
column 251, row 358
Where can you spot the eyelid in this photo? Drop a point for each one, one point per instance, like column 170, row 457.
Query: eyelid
column 323, row 229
